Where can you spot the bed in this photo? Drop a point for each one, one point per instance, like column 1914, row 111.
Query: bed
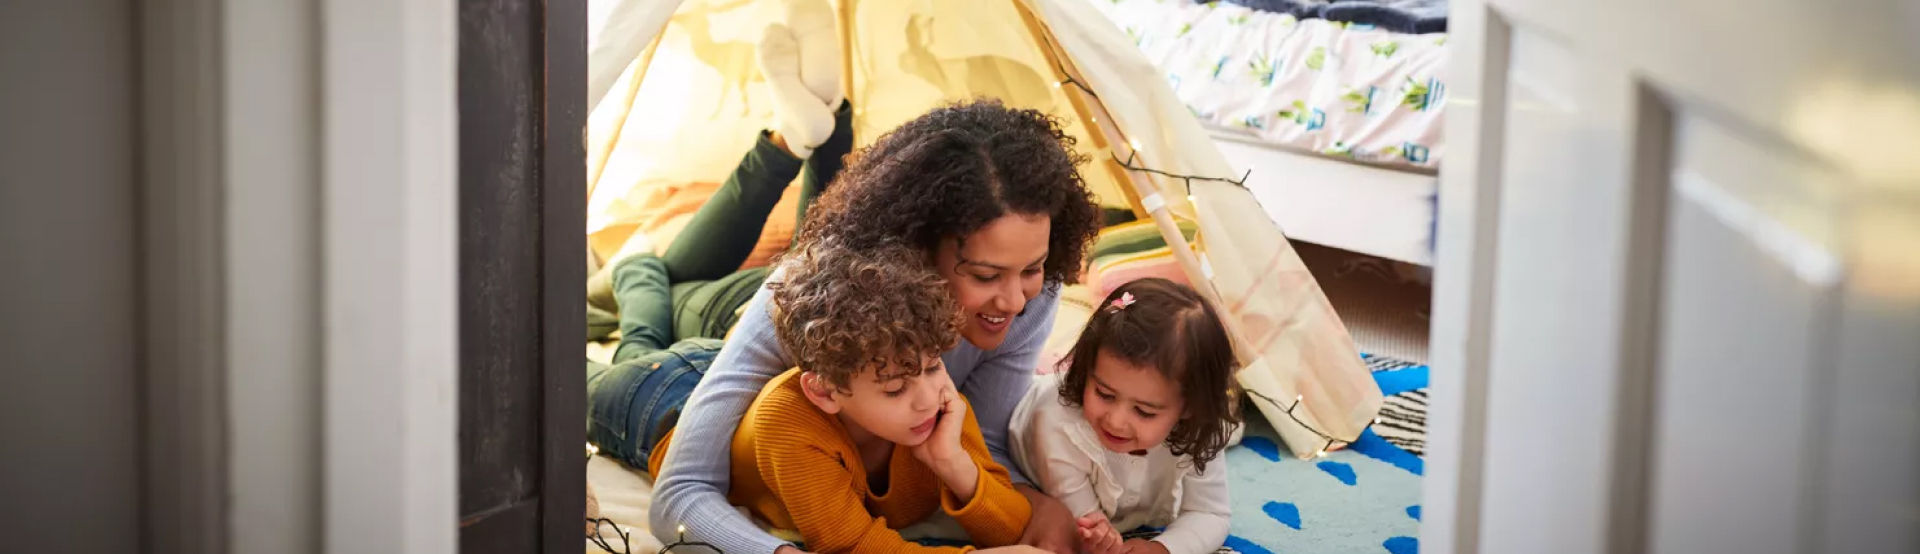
column 1339, row 122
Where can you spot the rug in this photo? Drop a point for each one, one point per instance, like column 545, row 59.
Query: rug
column 1365, row 498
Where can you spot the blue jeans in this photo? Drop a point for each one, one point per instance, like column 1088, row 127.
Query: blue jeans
column 634, row 401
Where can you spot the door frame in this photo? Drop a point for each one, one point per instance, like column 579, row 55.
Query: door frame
column 522, row 258
column 297, row 186
column 1467, row 233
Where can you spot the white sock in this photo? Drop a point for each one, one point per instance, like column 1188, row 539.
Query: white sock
column 812, row 23
column 800, row 117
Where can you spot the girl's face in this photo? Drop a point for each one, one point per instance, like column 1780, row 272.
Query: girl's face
column 1132, row 407
column 993, row 273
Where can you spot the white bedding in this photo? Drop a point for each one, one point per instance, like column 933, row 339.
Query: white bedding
column 624, row 496
column 1314, row 85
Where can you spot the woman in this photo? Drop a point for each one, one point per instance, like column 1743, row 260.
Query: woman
column 992, row 196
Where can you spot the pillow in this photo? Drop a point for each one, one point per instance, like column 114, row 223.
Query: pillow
column 1121, row 254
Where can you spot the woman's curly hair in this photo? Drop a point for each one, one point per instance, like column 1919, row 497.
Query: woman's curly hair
column 1169, row 327
column 842, row 311
column 952, row 171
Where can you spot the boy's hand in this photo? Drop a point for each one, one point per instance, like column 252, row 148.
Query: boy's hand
column 942, row 447
column 1097, row 535
column 942, row 452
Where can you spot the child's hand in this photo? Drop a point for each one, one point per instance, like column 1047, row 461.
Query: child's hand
column 942, row 453
column 1143, row 546
column 942, row 448
column 1097, row 535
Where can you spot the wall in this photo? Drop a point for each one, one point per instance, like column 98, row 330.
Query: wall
column 69, row 478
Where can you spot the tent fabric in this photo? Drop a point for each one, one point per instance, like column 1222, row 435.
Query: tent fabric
column 678, row 99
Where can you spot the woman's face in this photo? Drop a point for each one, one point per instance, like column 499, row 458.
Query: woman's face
column 994, row 272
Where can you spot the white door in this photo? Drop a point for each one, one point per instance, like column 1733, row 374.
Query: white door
column 1677, row 301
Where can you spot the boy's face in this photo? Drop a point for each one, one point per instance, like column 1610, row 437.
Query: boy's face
column 899, row 410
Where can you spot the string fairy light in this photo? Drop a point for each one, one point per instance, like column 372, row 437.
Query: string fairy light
column 683, row 544
column 1187, row 180
column 1187, row 184
column 1299, row 400
column 626, row 546
column 1075, row 82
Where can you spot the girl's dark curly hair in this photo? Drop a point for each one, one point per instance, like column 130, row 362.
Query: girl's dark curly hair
column 842, row 312
column 951, row 172
column 1170, row 328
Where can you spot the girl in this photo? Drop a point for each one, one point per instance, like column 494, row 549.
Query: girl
column 1130, row 437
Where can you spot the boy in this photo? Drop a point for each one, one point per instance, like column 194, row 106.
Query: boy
column 868, row 434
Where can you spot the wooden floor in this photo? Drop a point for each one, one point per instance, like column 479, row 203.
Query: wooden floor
column 1385, row 304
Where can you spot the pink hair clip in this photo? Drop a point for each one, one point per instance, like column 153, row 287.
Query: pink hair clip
column 1121, row 303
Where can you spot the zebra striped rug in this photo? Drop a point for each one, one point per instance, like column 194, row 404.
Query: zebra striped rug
column 1403, row 417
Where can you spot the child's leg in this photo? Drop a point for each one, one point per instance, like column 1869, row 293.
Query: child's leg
column 722, row 234
column 645, row 300
column 826, row 161
column 632, row 404
column 708, row 309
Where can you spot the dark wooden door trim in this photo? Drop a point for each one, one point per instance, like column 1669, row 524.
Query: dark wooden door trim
column 564, row 260
column 522, row 98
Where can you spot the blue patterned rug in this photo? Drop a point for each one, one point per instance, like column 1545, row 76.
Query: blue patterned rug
column 1365, row 498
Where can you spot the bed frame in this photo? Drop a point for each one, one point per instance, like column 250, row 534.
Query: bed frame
column 1375, row 210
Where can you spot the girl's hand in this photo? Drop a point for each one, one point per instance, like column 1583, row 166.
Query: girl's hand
column 1097, row 535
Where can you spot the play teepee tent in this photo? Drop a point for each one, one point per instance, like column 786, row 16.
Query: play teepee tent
column 678, row 98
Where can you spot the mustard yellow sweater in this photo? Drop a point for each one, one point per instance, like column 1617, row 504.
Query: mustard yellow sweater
column 795, row 467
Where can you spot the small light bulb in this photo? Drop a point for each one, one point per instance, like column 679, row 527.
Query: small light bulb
column 1299, row 397
column 683, row 530
column 1376, row 421
column 1320, row 454
column 1135, row 143
column 1193, row 201
column 1056, row 84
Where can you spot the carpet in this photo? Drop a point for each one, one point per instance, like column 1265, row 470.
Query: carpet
column 1383, row 303
column 1365, row 498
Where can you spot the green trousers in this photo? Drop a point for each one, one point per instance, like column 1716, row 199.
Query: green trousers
column 704, row 287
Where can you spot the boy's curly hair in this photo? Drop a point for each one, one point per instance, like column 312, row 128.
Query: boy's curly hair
column 841, row 311
column 1170, row 328
column 952, row 171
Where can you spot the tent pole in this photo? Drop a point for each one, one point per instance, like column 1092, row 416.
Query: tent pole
column 633, row 91
column 1095, row 129
column 1106, row 136
column 845, row 14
